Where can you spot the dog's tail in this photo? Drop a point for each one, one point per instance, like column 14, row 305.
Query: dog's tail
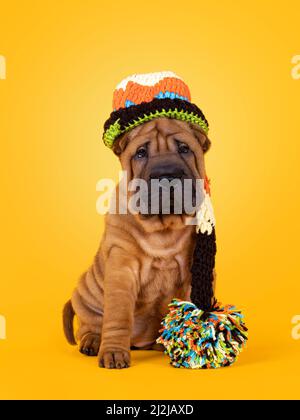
column 68, row 317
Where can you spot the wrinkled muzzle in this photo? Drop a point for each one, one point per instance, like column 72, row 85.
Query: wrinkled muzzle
column 171, row 189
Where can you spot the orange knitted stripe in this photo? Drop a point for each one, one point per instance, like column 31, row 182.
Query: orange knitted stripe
column 138, row 93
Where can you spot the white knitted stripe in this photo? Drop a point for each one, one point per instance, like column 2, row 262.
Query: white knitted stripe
column 147, row 79
column 205, row 216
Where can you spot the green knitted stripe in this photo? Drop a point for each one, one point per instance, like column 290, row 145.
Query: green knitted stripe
column 115, row 129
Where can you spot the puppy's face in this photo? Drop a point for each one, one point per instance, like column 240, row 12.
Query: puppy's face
column 164, row 150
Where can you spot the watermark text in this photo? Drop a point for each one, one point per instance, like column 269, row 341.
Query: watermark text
column 296, row 327
column 158, row 196
column 296, row 68
column 2, row 327
column 2, row 67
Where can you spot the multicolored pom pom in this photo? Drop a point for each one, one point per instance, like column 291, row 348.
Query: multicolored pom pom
column 197, row 339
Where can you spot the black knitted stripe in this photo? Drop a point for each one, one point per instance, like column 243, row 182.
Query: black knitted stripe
column 128, row 115
column 202, row 270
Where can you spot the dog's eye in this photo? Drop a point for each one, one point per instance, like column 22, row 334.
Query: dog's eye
column 141, row 153
column 183, row 148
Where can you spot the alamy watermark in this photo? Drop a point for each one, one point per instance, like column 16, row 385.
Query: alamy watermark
column 2, row 327
column 2, row 67
column 296, row 327
column 164, row 195
column 296, row 68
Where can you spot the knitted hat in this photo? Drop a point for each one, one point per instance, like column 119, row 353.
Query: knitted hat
column 142, row 97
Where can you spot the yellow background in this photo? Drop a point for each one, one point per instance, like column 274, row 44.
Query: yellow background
column 64, row 59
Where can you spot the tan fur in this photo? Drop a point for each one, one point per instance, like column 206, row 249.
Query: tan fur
column 142, row 263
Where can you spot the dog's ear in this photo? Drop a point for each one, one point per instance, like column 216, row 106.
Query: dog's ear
column 201, row 136
column 120, row 144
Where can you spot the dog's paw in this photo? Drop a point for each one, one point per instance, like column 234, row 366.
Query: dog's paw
column 89, row 344
column 114, row 359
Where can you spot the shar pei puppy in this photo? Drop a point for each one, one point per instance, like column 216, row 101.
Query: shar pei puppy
column 144, row 259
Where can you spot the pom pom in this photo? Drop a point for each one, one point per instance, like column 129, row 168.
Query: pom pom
column 197, row 339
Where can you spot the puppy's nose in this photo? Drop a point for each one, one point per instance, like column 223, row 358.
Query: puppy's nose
column 166, row 173
column 168, row 177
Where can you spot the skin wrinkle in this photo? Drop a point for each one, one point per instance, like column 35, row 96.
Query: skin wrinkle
column 97, row 274
column 142, row 262
column 84, row 290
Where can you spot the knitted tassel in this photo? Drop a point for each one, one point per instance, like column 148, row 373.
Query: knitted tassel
column 195, row 339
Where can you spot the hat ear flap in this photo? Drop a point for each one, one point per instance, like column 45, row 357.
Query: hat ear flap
column 202, row 293
column 202, row 283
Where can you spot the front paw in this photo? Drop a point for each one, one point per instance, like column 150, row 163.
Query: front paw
column 89, row 344
column 114, row 359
